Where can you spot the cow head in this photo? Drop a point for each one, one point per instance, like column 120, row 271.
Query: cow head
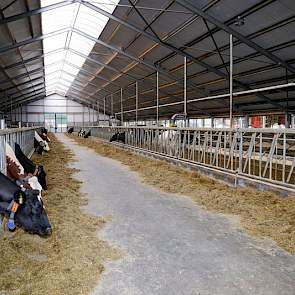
column 41, row 175
column 32, row 216
column 44, row 145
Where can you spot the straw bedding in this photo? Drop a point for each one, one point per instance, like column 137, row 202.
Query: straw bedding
column 261, row 214
column 71, row 260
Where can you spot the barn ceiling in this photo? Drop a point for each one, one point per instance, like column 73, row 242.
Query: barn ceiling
column 97, row 52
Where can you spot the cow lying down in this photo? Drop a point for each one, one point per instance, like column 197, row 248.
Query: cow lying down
column 23, row 208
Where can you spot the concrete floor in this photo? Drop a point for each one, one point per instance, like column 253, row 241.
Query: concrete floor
column 173, row 246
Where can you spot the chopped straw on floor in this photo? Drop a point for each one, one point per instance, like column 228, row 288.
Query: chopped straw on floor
column 71, row 260
column 261, row 214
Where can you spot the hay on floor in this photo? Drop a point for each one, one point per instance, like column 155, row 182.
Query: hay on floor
column 71, row 260
column 262, row 214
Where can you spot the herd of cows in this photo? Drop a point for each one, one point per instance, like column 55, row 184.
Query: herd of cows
column 20, row 190
column 163, row 135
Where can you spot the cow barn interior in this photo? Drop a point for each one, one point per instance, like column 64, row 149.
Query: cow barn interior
column 147, row 147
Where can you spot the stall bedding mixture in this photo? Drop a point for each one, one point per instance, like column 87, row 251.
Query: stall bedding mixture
column 71, row 260
column 262, row 214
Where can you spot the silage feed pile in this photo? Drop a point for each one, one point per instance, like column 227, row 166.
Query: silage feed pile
column 262, row 214
column 71, row 260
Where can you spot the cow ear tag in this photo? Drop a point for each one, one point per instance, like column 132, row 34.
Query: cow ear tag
column 21, row 199
column 11, row 225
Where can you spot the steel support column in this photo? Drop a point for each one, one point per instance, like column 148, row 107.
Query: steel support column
column 136, row 102
column 98, row 111
column 104, row 109
column 157, row 98
column 231, row 82
column 121, row 98
column 185, row 90
column 112, row 105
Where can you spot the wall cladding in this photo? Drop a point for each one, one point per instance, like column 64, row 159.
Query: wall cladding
column 37, row 112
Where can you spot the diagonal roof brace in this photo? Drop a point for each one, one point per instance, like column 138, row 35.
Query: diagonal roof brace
column 193, row 8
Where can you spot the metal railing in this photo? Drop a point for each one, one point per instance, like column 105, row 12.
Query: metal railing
column 23, row 136
column 266, row 155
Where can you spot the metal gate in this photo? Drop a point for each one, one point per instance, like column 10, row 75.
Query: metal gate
column 260, row 154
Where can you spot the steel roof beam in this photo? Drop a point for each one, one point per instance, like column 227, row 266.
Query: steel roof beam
column 155, row 39
column 35, row 11
column 91, row 74
column 122, row 52
column 32, row 40
column 7, row 104
column 193, row 8
column 87, row 104
column 28, row 101
column 31, row 72
column 9, row 4
column 28, row 93
column 25, row 61
column 21, row 84
column 26, row 89
column 117, row 19
column 171, row 47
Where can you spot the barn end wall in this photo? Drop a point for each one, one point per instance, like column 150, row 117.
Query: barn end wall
column 40, row 111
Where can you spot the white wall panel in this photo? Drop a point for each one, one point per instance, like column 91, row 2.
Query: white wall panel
column 37, row 112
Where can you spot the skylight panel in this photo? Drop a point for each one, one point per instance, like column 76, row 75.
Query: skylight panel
column 50, row 59
column 66, row 75
column 73, row 16
column 90, row 21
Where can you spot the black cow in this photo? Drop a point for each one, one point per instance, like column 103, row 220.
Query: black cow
column 119, row 136
column 31, row 167
column 71, row 130
column 23, row 208
column 87, row 134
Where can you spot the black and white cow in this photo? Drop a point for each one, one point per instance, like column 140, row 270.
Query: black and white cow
column 119, row 136
column 71, row 130
column 23, row 208
column 30, row 167
column 81, row 133
column 40, row 145
column 44, row 134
